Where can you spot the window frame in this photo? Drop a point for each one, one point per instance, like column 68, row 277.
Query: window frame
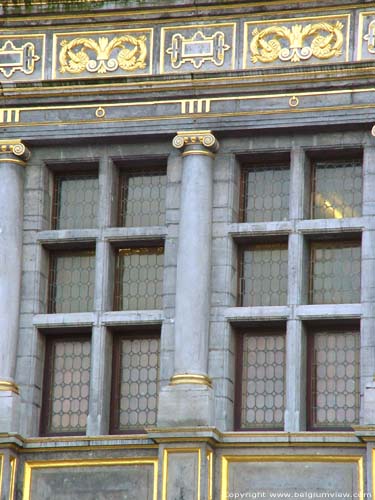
column 331, row 157
column 264, row 330
column 51, row 286
column 337, row 327
column 115, row 396
column 45, row 412
column 158, row 167
column 343, row 241
column 272, row 163
column 138, row 245
column 248, row 245
column 91, row 173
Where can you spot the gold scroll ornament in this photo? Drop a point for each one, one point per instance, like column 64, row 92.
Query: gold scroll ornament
column 86, row 54
column 325, row 41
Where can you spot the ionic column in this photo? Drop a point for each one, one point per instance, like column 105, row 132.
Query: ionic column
column 13, row 158
column 188, row 400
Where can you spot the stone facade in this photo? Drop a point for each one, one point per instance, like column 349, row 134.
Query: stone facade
column 199, row 90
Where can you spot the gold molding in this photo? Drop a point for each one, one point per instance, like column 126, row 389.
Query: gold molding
column 210, row 474
column 12, row 479
column 128, row 116
column 53, row 464
column 5, row 385
column 165, row 477
column 227, row 459
column 191, row 378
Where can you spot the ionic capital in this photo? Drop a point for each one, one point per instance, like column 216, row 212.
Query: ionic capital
column 196, row 142
column 14, row 151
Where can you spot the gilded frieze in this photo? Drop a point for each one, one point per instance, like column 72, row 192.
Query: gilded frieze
column 22, row 57
column 366, row 36
column 104, row 53
column 204, row 47
column 295, row 41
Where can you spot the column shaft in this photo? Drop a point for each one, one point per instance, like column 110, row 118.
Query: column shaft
column 188, row 399
column 193, row 266
column 13, row 155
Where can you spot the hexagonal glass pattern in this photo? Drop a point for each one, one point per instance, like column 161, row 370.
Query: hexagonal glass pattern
column 263, row 380
column 75, row 202
column 265, row 193
column 264, row 275
column 335, row 272
column 335, row 379
column 139, row 278
column 137, row 389
column 71, row 284
column 336, row 189
column 142, row 198
column 66, row 400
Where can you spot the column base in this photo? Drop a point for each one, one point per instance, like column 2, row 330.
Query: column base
column 9, row 411
column 186, row 405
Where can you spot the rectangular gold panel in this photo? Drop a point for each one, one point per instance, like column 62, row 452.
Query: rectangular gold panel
column 132, row 478
column 175, row 484
column 366, row 36
column 22, row 57
column 304, row 476
column 13, row 470
column 198, row 47
column 93, row 54
column 296, row 41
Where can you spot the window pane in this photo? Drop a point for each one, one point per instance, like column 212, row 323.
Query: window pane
column 263, row 379
column 72, row 282
column 142, row 199
column 69, row 373
column 337, row 190
column 139, row 278
column 264, row 276
column 265, row 194
column 139, row 379
column 336, row 273
column 76, row 202
column 335, row 379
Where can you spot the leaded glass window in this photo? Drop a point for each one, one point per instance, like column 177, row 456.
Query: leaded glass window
column 262, row 384
column 135, row 383
column 265, row 193
column 75, row 201
column 142, row 197
column 66, row 385
column 336, row 189
column 264, row 275
column 71, row 284
column 139, row 278
column 334, row 379
column 335, row 272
